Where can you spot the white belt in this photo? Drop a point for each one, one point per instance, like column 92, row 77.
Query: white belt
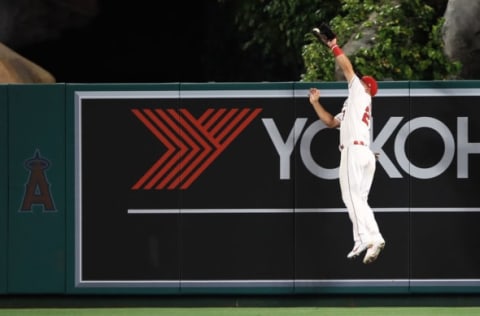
column 355, row 142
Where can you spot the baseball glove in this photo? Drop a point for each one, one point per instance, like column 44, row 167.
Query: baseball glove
column 324, row 33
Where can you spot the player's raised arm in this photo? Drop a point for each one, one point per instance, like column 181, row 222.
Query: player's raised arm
column 342, row 60
column 329, row 38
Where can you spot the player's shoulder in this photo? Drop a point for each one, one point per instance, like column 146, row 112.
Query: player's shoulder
column 355, row 83
column 354, row 80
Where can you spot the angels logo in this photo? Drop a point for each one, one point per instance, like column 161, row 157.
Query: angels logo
column 37, row 188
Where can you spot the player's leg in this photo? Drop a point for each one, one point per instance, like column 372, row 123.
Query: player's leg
column 358, row 164
column 365, row 184
column 350, row 187
column 378, row 243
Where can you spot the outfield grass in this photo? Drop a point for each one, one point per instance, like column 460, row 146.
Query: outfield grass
column 246, row 311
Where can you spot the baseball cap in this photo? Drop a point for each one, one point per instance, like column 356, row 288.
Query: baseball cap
column 371, row 83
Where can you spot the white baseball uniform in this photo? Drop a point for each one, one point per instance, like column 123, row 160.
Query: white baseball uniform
column 357, row 162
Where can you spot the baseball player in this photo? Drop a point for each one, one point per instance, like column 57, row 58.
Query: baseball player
column 357, row 162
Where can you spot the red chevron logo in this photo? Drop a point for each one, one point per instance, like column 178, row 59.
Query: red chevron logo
column 192, row 143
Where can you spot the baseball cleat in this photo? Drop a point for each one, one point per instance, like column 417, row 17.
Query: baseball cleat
column 373, row 251
column 358, row 248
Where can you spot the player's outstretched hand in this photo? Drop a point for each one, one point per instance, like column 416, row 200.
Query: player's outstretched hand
column 331, row 43
column 313, row 95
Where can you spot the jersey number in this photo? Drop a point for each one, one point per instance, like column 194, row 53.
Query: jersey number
column 366, row 116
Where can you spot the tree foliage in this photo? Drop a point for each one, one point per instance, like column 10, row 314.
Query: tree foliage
column 272, row 31
column 407, row 42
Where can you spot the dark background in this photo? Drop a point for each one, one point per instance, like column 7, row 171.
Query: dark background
column 151, row 41
column 296, row 246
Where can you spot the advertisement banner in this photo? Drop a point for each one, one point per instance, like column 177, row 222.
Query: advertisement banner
column 218, row 188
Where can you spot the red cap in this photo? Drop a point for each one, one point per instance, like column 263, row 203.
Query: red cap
column 371, row 83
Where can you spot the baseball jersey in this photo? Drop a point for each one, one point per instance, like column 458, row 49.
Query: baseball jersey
column 356, row 115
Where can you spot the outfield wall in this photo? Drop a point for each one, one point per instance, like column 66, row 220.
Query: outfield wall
column 186, row 188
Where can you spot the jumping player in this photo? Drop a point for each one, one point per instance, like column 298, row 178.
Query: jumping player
column 357, row 162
